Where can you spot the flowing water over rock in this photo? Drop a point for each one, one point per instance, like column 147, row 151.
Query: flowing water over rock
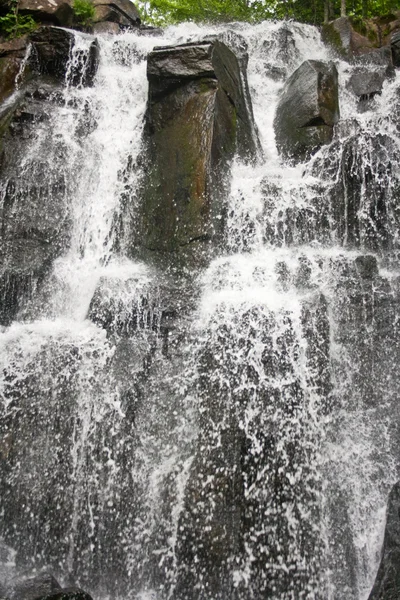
column 225, row 432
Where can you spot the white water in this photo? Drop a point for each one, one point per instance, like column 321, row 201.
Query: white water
column 116, row 463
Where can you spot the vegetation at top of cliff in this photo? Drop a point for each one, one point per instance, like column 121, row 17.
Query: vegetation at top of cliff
column 13, row 24
column 166, row 12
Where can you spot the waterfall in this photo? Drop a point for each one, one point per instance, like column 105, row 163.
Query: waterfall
column 230, row 432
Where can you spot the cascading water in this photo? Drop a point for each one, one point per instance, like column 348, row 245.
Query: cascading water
column 246, row 449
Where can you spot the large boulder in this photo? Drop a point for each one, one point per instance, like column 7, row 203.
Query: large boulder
column 387, row 582
column 308, row 109
column 58, row 12
column 122, row 12
column 199, row 116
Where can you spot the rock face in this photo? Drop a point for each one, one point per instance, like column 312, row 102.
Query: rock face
column 34, row 217
column 395, row 46
column 53, row 47
column 363, row 200
column 387, row 583
column 199, row 116
column 308, row 110
column 57, row 12
column 12, row 54
column 343, row 39
column 122, row 12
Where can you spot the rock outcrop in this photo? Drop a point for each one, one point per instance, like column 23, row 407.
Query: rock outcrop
column 308, row 109
column 52, row 47
column 342, row 37
column 387, row 582
column 60, row 12
column 199, row 116
column 56, row 12
column 351, row 38
column 122, row 12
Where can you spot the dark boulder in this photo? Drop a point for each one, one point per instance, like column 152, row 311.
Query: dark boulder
column 199, row 116
column 122, row 12
column 58, row 12
column 308, row 109
column 32, row 588
column 52, row 51
column 395, row 46
column 387, row 582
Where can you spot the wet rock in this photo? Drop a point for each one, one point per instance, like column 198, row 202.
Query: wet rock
column 58, row 12
column 367, row 266
column 123, row 306
column 275, row 73
column 228, row 497
column 395, row 47
column 363, row 199
column 387, row 582
column 366, row 84
column 199, row 116
column 308, row 109
column 122, row 12
column 34, row 215
column 52, row 49
column 32, row 588
column 67, row 594
column 150, row 30
column 12, row 54
column 106, row 27
column 370, row 73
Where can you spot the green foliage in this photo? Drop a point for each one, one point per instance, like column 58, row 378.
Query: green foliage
column 14, row 25
column 83, row 11
column 167, row 12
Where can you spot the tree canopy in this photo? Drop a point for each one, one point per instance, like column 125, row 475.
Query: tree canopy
column 163, row 12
